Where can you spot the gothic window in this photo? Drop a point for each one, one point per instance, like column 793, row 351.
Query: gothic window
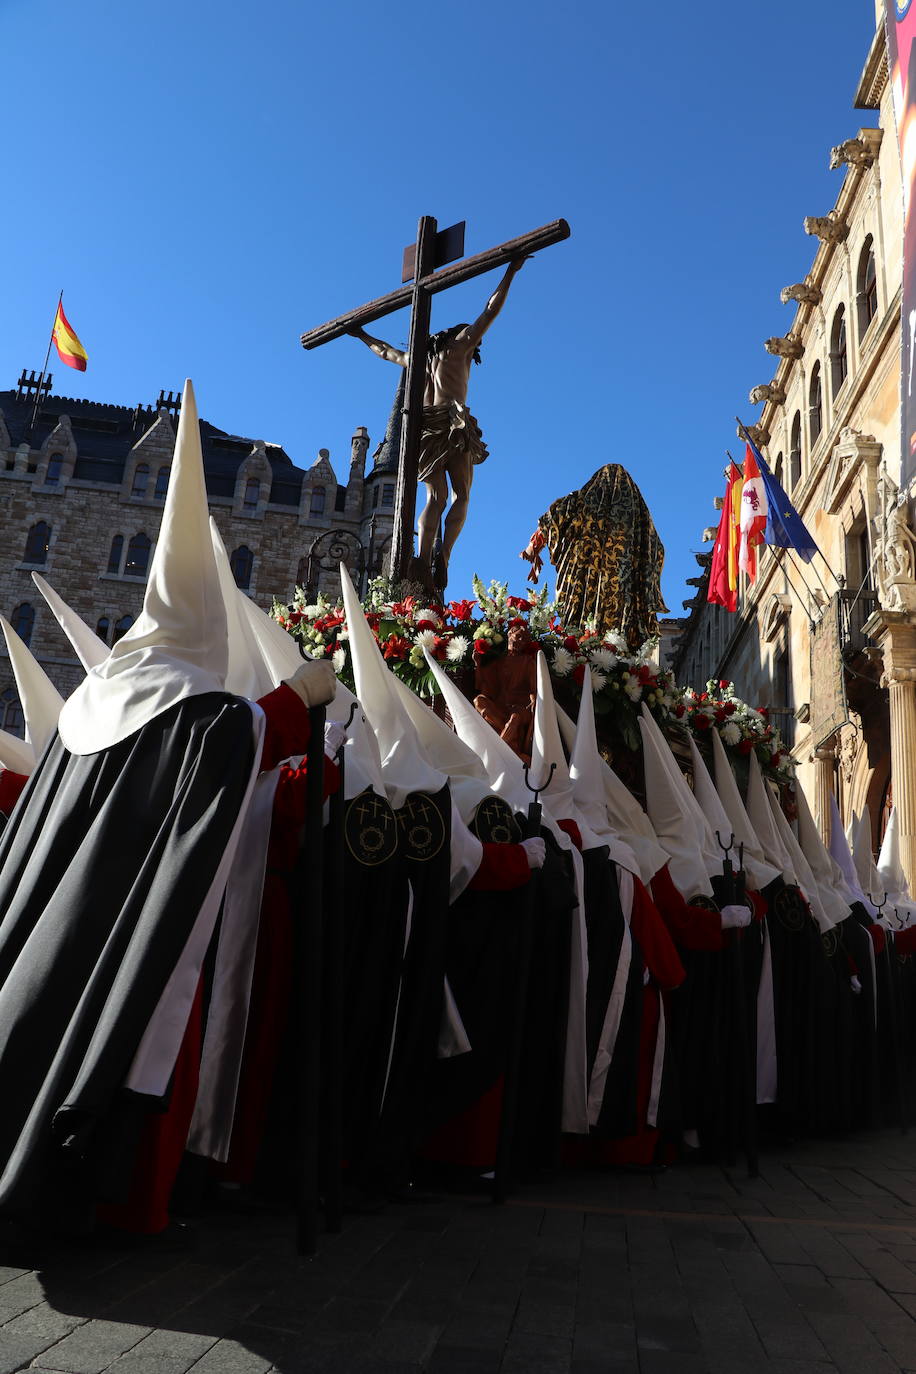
column 11, row 714
column 815, row 404
column 162, row 484
column 317, row 506
column 52, row 476
column 866, row 287
column 103, row 628
column 795, row 452
column 376, row 493
column 136, row 563
column 839, row 359
column 252, row 494
column 121, row 627
column 340, row 500
column 37, row 544
column 387, row 495
column 114, row 557
column 141, row 477
column 242, row 565
column 777, row 468
column 23, row 621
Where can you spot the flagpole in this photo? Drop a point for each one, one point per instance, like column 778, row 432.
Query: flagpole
column 808, row 588
column 45, row 366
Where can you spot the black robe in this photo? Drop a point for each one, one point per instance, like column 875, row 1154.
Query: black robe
column 104, row 868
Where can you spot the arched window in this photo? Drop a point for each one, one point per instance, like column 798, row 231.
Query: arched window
column 839, row 361
column 11, row 714
column 376, row 493
column 866, row 287
column 141, row 477
column 121, row 627
column 815, row 405
column 23, row 621
column 37, row 544
column 162, row 484
column 55, row 463
column 387, row 494
column 317, row 506
column 114, row 557
column 137, row 561
column 242, row 565
column 252, row 494
column 777, row 468
column 795, row 452
column 103, row 628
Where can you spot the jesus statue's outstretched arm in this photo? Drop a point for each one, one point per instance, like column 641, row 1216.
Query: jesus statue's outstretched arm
column 475, row 332
column 382, row 349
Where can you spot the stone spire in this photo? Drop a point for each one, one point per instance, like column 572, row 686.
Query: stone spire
column 385, row 457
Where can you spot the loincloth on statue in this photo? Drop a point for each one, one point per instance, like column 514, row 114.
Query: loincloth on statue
column 450, row 433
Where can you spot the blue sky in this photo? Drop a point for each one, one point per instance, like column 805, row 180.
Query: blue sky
column 207, row 181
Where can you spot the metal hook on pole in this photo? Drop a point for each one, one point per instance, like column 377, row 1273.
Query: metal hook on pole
column 726, row 848
column 544, row 786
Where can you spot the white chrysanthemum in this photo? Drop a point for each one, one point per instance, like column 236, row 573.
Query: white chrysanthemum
column 429, row 615
column 425, row 639
column 731, row 733
column 338, row 659
column 562, row 662
column 313, row 612
column 633, row 689
column 604, row 658
column 599, row 680
column 457, row 647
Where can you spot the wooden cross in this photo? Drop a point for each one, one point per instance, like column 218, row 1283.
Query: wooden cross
column 432, row 250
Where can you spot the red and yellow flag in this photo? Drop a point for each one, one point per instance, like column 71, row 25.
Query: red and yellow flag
column 69, row 348
column 723, row 571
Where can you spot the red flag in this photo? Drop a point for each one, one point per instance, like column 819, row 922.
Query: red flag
column 723, row 571
column 753, row 520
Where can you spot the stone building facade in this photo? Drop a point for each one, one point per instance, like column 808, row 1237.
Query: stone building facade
column 82, row 486
column 830, row 647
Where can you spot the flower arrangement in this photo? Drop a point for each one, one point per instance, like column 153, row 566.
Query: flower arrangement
column 461, row 634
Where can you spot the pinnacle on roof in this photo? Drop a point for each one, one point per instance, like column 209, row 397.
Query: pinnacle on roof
column 385, row 458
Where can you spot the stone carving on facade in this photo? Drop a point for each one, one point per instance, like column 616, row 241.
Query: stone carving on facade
column 802, row 292
column 829, row 228
column 767, row 391
column 846, row 753
column 784, row 346
column 857, row 152
column 895, row 551
column 758, row 435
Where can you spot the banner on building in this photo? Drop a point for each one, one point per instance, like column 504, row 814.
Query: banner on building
column 900, row 29
column 828, row 678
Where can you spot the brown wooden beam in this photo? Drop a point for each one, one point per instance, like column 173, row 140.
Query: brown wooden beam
column 434, row 282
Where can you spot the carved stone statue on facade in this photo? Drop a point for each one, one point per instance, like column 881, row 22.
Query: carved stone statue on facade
column 895, row 552
column 767, row 391
column 830, row 228
column 784, row 346
column 854, row 152
column 507, row 691
column 758, row 435
column 802, row 292
column 451, row 444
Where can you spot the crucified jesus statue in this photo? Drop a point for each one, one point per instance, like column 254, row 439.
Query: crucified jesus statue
column 451, row 444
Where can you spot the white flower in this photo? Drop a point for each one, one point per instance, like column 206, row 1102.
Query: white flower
column 425, row 639
column 457, row 647
column 604, row 658
column 599, row 680
column 338, row 659
column 731, row 733
column 312, row 612
column 428, row 615
column 633, row 689
column 562, row 662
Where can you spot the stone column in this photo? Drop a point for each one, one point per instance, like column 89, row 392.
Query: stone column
column 824, row 768
column 896, row 635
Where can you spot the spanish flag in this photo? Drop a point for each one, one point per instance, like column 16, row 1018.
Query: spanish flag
column 723, row 572
column 69, row 348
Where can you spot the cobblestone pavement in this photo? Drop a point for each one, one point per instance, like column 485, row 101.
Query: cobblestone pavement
column 809, row 1268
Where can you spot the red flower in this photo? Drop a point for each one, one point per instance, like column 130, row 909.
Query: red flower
column 426, row 625
column 294, row 618
column 396, row 646
column 461, row 610
column 481, row 646
column 579, row 673
column 646, row 676
column 571, row 643
column 721, row 716
column 679, row 709
column 439, row 648
column 516, row 624
column 744, row 746
column 762, row 711
column 729, row 708
column 701, row 720
column 518, row 603
column 403, row 609
column 724, row 682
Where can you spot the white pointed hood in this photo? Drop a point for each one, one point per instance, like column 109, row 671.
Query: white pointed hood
column 673, row 825
column 247, row 674
column 759, row 871
column 761, row 818
column 466, row 774
column 824, row 869
column 41, row 701
column 864, row 859
column 546, row 749
column 89, row 649
column 709, row 802
column 842, row 854
column 405, row 767
column 690, row 807
column 891, row 874
column 587, row 783
column 177, row 647
column 16, row 754
column 501, row 764
column 800, row 866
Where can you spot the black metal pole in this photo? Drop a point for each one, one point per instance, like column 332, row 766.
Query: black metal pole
column 332, row 1030
column 308, row 990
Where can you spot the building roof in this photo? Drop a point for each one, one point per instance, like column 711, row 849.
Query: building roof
column 385, row 458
